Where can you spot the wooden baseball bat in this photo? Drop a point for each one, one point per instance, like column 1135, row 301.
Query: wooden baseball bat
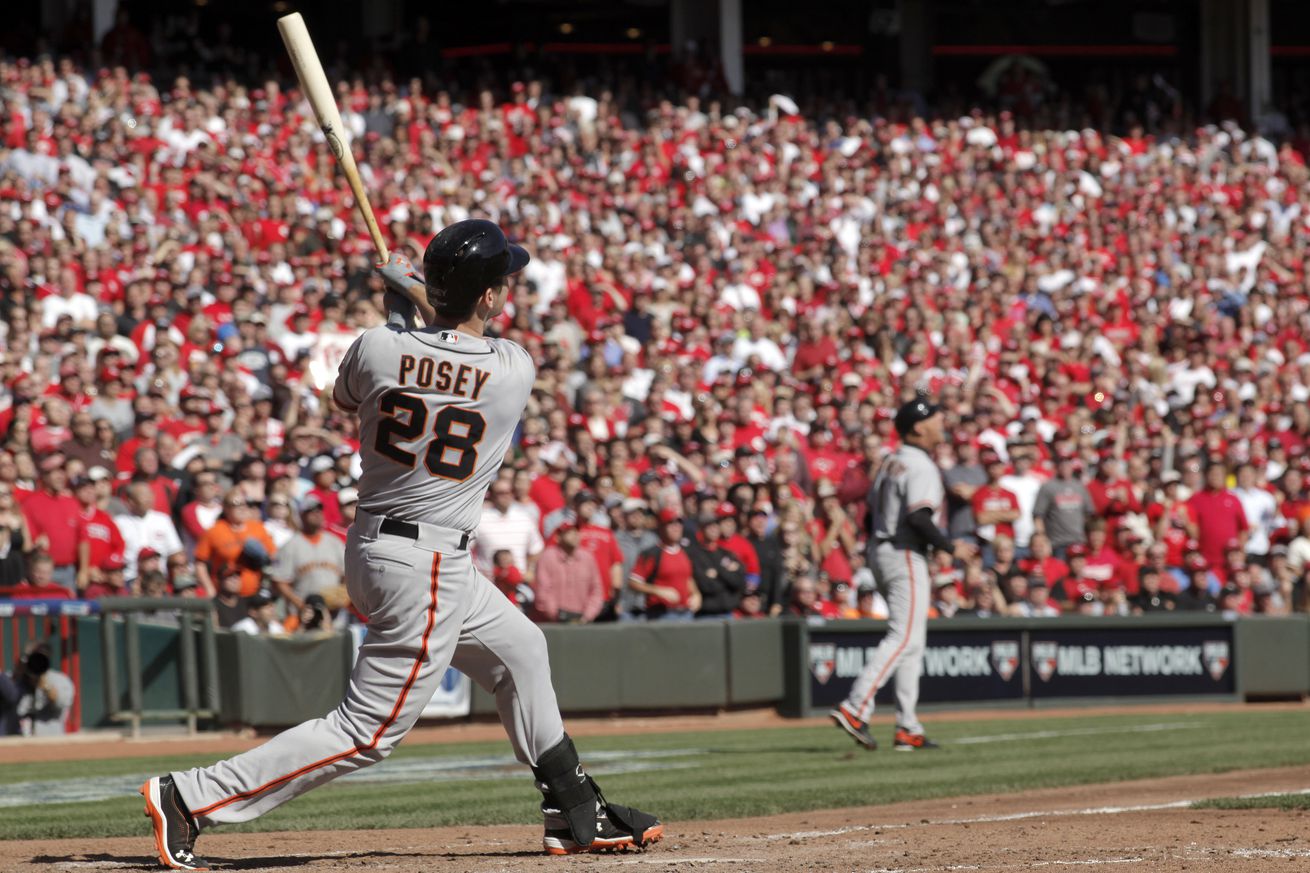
column 313, row 81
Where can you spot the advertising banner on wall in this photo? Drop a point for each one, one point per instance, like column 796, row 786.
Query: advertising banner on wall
column 956, row 666
column 985, row 665
column 1115, row 663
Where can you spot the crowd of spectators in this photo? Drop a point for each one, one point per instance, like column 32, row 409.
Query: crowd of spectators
column 725, row 307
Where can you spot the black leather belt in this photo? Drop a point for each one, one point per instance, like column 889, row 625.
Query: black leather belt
column 409, row 530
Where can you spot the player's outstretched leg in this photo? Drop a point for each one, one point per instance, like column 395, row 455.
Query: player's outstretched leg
column 578, row 817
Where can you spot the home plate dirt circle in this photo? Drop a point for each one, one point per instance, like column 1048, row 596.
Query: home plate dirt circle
column 1123, row 826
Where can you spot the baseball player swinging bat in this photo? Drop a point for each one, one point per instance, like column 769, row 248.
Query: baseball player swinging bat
column 438, row 407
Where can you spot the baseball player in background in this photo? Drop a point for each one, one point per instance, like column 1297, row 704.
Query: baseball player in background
column 438, row 407
column 905, row 513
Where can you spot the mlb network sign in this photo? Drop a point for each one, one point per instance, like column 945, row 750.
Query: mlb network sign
column 1129, row 662
column 970, row 666
column 956, row 666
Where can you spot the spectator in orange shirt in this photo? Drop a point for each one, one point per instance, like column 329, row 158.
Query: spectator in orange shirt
column 238, row 537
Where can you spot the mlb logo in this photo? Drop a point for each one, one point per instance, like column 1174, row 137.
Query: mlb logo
column 448, row 336
column 1044, row 659
column 1005, row 658
column 1216, row 657
column 823, row 661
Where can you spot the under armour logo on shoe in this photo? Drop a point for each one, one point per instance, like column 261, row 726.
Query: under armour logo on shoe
column 184, row 856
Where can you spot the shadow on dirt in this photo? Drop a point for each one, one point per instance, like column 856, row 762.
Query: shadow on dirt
column 402, row 860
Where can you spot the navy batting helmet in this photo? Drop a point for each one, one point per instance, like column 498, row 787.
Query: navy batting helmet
column 466, row 259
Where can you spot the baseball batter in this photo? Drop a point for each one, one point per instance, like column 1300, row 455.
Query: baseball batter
column 905, row 510
column 437, row 407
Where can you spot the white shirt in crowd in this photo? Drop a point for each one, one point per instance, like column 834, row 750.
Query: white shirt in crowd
column 1025, row 488
column 1261, row 510
column 515, row 531
column 248, row 625
column 154, row 529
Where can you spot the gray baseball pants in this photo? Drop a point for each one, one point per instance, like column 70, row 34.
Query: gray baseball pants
column 428, row 608
column 903, row 576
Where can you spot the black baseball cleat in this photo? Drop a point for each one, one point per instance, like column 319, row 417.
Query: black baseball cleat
column 175, row 829
column 618, row 828
column 908, row 742
column 858, row 730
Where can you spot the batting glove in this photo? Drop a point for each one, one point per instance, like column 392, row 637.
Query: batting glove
column 399, row 274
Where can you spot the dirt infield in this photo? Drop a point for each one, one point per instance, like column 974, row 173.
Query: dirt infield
column 1127, row 826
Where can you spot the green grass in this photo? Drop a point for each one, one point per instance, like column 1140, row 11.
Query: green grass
column 1284, row 802
column 729, row 774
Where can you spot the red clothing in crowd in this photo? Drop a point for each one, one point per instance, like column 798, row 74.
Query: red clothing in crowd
column 96, row 528
column 55, row 517
column 994, row 498
column 1219, row 518
column 547, row 494
column 600, row 543
column 674, row 571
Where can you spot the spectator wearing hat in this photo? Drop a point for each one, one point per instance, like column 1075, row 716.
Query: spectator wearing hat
column 995, row 509
column 106, row 499
column 1074, row 583
column 52, row 519
column 718, row 575
column 112, row 407
column 313, row 560
column 1063, row 506
column 1197, row 597
column 1151, row 596
column 239, row 538
column 1171, row 519
column 1260, row 508
column 261, row 615
column 280, row 520
column 834, row 534
column 323, row 474
column 145, row 431
column 15, row 540
column 1024, row 483
column 732, row 539
column 229, row 605
column 634, row 536
column 547, row 488
column 505, row 526
column 98, row 537
column 110, row 581
column 348, row 500
column 568, row 583
column 1219, row 514
column 599, row 541
column 143, row 526
column 664, row 574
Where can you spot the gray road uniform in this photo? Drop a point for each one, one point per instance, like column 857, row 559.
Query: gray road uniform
column 907, row 481
column 437, row 409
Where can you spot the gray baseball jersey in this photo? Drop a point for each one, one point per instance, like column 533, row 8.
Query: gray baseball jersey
column 446, row 404
column 907, row 481
column 437, row 409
